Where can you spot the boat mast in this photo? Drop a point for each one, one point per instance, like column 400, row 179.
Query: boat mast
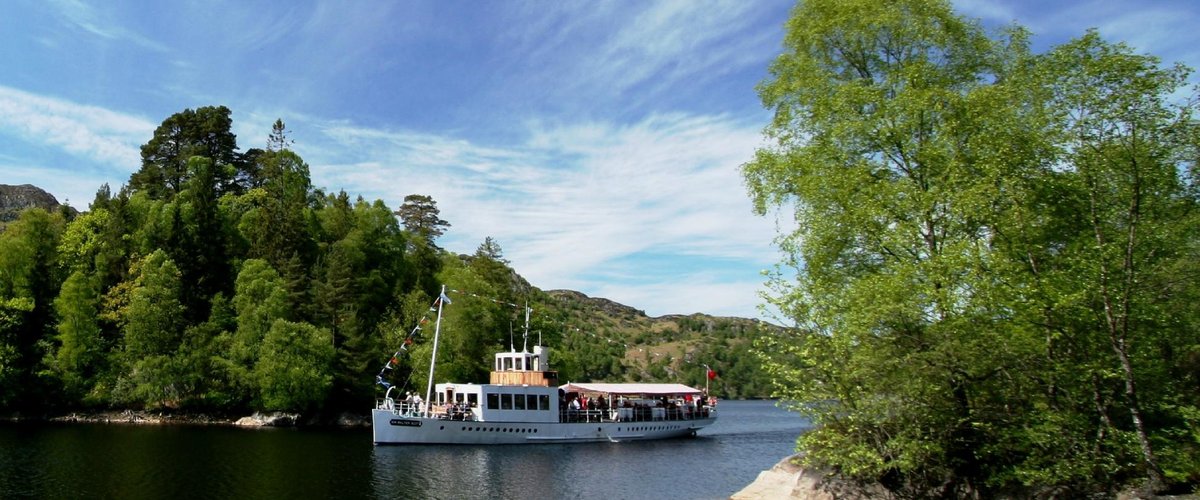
column 437, row 330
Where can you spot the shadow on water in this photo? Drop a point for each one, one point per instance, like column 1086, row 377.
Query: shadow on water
column 124, row 461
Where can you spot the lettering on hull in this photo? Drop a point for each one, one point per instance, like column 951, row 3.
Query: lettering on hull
column 405, row 423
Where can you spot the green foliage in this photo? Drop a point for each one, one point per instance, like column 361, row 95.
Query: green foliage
column 204, row 132
column 995, row 252
column 80, row 355
column 154, row 327
column 421, row 217
column 223, row 281
column 294, row 371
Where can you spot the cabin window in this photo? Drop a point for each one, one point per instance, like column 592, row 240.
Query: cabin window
column 493, row 401
column 506, row 401
column 543, row 402
column 531, row 401
column 473, row 400
column 519, row 400
column 508, row 364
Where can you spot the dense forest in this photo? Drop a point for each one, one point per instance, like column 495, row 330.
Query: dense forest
column 995, row 254
column 222, row 280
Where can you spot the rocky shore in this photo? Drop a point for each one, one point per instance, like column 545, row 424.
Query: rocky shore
column 787, row 479
column 269, row 419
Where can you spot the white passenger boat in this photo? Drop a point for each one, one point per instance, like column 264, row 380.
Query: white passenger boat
column 523, row 403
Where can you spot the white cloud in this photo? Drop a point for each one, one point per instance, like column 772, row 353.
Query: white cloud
column 84, row 17
column 584, row 206
column 90, row 133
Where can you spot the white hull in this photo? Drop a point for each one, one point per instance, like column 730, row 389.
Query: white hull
column 391, row 428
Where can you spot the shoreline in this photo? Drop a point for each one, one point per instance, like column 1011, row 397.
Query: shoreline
column 143, row 417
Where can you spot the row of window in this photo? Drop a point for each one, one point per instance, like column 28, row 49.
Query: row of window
column 494, row 429
column 518, row 401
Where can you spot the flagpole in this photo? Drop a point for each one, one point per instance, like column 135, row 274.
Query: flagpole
column 706, row 379
column 437, row 330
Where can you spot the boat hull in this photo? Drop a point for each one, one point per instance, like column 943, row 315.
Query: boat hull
column 389, row 427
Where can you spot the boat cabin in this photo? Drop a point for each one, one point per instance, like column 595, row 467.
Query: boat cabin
column 523, row 389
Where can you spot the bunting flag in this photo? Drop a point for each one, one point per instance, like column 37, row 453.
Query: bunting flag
column 394, row 361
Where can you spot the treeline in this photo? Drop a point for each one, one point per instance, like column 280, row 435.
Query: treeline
column 996, row 253
column 222, row 280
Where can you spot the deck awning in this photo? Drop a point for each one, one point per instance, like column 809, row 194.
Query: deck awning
column 631, row 389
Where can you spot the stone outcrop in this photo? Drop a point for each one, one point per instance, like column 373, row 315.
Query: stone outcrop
column 789, row 480
column 15, row 199
column 274, row 419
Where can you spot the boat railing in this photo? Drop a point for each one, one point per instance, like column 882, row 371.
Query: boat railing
column 635, row 414
column 400, row 408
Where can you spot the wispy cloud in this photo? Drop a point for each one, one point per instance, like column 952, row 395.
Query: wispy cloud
column 573, row 203
column 1159, row 27
column 84, row 17
column 87, row 132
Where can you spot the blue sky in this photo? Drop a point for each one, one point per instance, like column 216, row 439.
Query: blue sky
column 598, row 142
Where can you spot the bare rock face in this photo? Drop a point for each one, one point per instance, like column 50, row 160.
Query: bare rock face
column 15, row 199
column 788, row 480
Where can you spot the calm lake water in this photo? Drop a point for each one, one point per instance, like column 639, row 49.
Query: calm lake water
column 127, row 461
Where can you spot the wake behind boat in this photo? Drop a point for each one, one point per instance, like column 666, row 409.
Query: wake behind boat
column 523, row 403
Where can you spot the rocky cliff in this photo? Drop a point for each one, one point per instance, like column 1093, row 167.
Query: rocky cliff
column 15, row 199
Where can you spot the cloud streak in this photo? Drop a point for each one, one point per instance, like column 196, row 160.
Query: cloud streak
column 90, row 133
column 574, row 203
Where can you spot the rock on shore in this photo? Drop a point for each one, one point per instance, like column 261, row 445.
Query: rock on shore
column 274, row 419
column 789, row 480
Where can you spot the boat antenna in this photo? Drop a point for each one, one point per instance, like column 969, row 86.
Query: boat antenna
column 525, row 336
column 511, row 347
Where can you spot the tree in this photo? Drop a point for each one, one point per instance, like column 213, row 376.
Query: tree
column 278, row 140
column 421, row 217
column 1125, row 146
column 294, row 373
column 959, row 331
column 30, row 277
column 205, row 132
column 199, row 243
column 154, row 327
column 81, row 352
column 259, row 301
column 491, row 249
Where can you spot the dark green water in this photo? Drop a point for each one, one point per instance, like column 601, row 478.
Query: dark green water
column 125, row 461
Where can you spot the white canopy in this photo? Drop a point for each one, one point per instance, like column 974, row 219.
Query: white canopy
column 631, row 389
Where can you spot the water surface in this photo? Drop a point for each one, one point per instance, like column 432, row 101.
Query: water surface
column 130, row 461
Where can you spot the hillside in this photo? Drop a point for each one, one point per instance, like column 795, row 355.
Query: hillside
column 605, row 340
column 14, row 199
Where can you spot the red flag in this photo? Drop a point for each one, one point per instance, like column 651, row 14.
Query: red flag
column 711, row 374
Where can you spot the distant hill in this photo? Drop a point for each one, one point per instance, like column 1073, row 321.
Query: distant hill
column 15, row 199
column 671, row 348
